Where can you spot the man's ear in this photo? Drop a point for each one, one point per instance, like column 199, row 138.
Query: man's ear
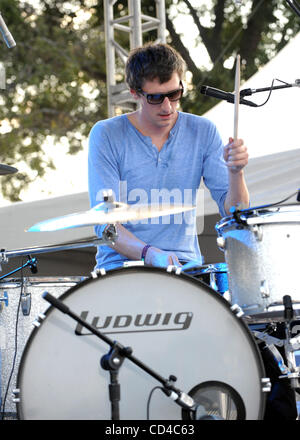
column 134, row 94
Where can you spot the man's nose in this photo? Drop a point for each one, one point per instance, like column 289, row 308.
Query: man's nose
column 166, row 104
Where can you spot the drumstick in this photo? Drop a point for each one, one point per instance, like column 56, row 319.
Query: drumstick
column 236, row 98
column 236, row 107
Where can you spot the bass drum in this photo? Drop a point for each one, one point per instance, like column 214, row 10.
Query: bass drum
column 175, row 325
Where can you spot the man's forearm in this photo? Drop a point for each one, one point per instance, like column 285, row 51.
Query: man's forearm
column 128, row 244
column 237, row 193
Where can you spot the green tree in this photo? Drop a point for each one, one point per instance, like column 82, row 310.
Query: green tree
column 57, row 57
column 60, row 56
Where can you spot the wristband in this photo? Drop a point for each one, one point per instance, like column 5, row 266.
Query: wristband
column 144, row 251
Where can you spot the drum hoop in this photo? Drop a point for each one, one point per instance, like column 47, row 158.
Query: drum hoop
column 138, row 269
column 30, row 281
column 262, row 215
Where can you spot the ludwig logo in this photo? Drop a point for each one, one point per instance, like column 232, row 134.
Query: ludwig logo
column 150, row 322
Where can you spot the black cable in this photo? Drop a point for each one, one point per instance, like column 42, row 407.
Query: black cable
column 281, row 201
column 270, row 205
column 16, row 345
column 149, row 398
column 271, row 90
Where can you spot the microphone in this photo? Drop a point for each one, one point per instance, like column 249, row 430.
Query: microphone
column 8, row 38
column 183, row 399
column 219, row 94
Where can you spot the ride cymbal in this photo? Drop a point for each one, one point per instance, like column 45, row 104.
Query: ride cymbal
column 102, row 214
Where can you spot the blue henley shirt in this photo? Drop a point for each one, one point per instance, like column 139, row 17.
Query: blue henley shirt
column 121, row 159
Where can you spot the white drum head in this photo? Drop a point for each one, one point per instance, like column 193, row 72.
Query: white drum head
column 175, row 325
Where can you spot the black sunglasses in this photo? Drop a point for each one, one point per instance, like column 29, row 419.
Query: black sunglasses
column 158, row 98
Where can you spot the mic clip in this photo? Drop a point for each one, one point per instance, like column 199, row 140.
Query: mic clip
column 32, row 263
column 182, row 399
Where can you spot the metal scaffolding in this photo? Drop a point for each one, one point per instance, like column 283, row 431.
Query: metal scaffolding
column 135, row 24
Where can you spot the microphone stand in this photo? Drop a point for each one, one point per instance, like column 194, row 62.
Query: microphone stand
column 113, row 360
column 248, row 92
column 31, row 263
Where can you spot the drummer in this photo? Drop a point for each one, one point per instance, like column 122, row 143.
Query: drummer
column 158, row 153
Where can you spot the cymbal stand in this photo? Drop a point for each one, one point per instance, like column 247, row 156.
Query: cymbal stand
column 290, row 344
column 114, row 359
column 108, row 238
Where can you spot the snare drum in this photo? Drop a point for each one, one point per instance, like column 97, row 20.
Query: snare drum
column 262, row 254
column 175, row 325
column 214, row 275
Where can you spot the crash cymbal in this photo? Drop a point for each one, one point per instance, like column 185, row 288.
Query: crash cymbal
column 102, row 214
column 6, row 169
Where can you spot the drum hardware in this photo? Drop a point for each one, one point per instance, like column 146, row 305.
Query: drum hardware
column 110, row 233
column 16, row 393
column 241, row 215
column 100, row 271
column 133, row 263
column 194, row 264
column 264, row 289
column 214, row 275
column 288, row 308
column 174, row 268
column 4, row 300
column 25, row 296
column 266, row 385
column 268, row 339
column 237, row 310
column 114, row 359
column 221, row 243
column 257, row 230
column 291, row 345
column 5, row 255
column 291, row 370
column 25, row 303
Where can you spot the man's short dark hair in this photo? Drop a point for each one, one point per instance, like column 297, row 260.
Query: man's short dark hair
column 152, row 61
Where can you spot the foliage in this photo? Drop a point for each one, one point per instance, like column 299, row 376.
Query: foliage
column 55, row 62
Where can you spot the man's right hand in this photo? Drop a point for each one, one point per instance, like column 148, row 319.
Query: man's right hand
column 158, row 258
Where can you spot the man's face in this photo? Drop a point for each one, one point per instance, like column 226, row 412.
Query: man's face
column 164, row 114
